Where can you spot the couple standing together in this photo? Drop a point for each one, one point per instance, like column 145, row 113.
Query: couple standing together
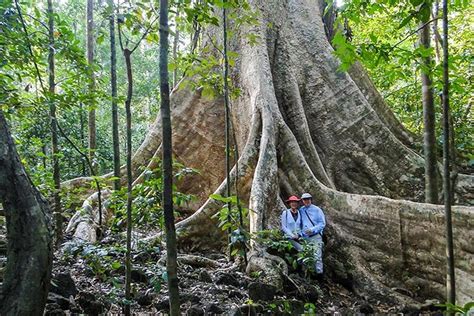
column 304, row 226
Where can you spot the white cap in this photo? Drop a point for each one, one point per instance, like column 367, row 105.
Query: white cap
column 306, row 196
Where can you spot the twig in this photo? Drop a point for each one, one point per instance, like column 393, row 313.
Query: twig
column 213, row 44
column 37, row 20
column 144, row 34
column 414, row 32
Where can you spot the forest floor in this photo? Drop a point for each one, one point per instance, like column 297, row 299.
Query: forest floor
column 89, row 279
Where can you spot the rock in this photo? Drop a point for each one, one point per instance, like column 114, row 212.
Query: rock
column 108, row 240
column 188, row 297
column 139, row 275
column 259, row 291
column 54, row 309
column 365, row 308
column 204, row 276
column 213, row 309
column 309, row 292
column 430, row 306
column 235, row 312
column 235, row 294
column 227, row 279
column 195, row 310
column 89, row 304
column 63, row 284
column 144, row 299
column 163, row 305
column 61, row 301
column 410, row 310
column 216, row 291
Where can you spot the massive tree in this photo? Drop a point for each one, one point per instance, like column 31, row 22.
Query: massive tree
column 303, row 125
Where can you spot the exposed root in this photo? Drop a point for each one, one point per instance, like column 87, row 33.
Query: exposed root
column 198, row 261
column 273, row 268
column 384, row 238
column 84, row 223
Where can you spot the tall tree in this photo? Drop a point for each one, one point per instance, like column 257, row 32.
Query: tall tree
column 127, row 53
column 171, row 252
column 113, row 83
column 54, row 126
column 90, row 61
column 429, row 139
column 227, row 124
column 29, row 249
column 450, row 280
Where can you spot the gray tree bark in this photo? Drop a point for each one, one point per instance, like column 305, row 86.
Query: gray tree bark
column 113, row 83
column 54, row 127
column 167, row 158
column 429, row 137
column 29, row 249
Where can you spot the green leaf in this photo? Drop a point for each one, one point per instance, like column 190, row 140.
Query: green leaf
column 405, row 21
column 116, row 265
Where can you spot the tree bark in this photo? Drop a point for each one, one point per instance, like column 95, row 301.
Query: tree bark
column 450, row 278
column 128, row 102
column 29, row 249
column 227, row 125
column 54, row 128
column 90, row 61
column 167, row 173
column 429, row 139
column 113, row 83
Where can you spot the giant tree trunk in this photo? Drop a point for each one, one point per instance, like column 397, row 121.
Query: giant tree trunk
column 305, row 126
column 29, row 249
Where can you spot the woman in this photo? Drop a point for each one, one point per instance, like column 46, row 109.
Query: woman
column 291, row 222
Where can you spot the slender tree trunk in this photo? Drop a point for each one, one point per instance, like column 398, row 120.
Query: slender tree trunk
column 429, row 137
column 450, row 282
column 29, row 250
column 171, row 253
column 227, row 126
column 82, row 135
column 437, row 38
column 113, row 82
column 54, row 127
column 128, row 101
column 90, row 61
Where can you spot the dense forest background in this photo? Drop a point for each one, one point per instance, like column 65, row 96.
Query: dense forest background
column 375, row 36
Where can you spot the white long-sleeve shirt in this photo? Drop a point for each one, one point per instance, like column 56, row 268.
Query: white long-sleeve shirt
column 289, row 226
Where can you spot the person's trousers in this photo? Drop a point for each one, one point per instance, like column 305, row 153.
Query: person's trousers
column 316, row 242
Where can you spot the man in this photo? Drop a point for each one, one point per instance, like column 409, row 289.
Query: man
column 290, row 222
column 312, row 223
